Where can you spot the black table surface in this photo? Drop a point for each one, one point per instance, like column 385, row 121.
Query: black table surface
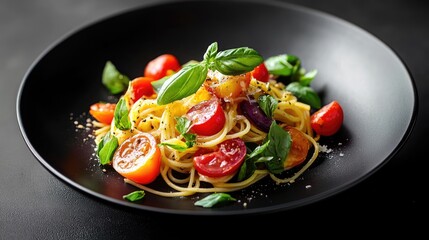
column 34, row 204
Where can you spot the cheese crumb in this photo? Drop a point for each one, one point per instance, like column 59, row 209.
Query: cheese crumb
column 324, row 148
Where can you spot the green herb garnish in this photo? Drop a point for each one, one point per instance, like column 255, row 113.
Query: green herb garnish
column 122, row 121
column 106, row 148
column 134, row 196
column 115, row 81
column 214, row 199
column 190, row 78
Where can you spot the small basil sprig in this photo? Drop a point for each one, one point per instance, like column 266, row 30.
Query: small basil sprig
column 183, row 125
column 252, row 158
column 106, row 148
column 289, row 66
column 283, row 65
column 214, row 199
column 113, row 80
column 122, row 121
column 278, row 148
column 268, row 104
column 190, row 78
column 305, row 94
column 272, row 153
column 134, row 196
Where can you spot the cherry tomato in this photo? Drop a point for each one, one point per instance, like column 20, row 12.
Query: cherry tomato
column 227, row 86
column 138, row 158
column 103, row 112
column 261, row 73
column 327, row 120
column 225, row 160
column 298, row 150
column 162, row 66
column 207, row 117
column 141, row 86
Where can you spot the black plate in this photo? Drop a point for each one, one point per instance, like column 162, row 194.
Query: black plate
column 354, row 67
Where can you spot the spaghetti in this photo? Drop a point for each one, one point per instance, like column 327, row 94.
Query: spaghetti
column 159, row 120
column 254, row 126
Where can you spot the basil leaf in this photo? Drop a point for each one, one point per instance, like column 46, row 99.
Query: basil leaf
column 210, row 52
column 115, row 81
column 182, row 126
column 278, row 148
column 268, row 104
column 183, row 83
column 214, row 199
column 251, row 159
column 122, row 121
column 106, row 148
column 174, row 146
column 259, row 149
column 158, row 83
column 134, row 196
column 282, row 65
column 307, row 78
column 236, row 61
column 305, row 94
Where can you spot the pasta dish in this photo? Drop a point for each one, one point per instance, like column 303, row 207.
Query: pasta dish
column 214, row 126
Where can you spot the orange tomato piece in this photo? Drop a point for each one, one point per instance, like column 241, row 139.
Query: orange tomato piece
column 228, row 86
column 103, row 112
column 138, row 158
column 298, row 149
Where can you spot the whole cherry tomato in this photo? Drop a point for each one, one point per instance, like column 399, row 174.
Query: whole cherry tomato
column 207, row 117
column 261, row 73
column 103, row 112
column 225, row 160
column 138, row 158
column 139, row 87
column 162, row 66
column 327, row 120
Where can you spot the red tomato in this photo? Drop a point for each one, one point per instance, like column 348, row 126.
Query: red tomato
column 327, row 120
column 103, row 112
column 261, row 73
column 298, row 150
column 138, row 158
column 141, row 86
column 226, row 159
column 207, row 117
column 227, row 86
column 162, row 66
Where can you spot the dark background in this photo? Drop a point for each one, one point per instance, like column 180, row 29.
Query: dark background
column 34, row 204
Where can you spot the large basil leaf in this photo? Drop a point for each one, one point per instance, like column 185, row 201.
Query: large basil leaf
column 236, row 61
column 183, row 83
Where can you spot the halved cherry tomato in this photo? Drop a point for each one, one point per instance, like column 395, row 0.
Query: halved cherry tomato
column 225, row 160
column 161, row 66
column 103, row 112
column 298, row 150
column 138, row 158
column 327, row 120
column 141, row 86
column 261, row 73
column 227, row 86
column 207, row 117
